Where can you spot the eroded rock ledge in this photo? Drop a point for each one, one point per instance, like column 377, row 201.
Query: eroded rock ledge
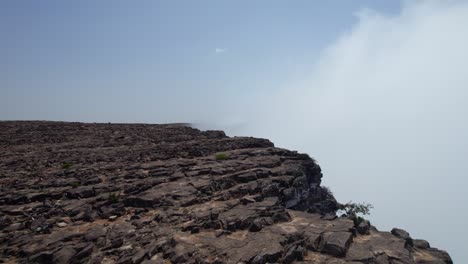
column 137, row 193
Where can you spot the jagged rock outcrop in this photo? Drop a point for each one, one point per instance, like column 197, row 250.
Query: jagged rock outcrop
column 137, row 193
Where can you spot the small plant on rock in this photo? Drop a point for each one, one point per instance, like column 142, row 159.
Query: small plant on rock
column 221, row 156
column 75, row 184
column 66, row 165
column 354, row 211
column 114, row 197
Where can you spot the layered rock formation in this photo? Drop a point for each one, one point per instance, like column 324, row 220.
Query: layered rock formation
column 137, row 193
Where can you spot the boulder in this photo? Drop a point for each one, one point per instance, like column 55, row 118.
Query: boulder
column 64, row 255
column 403, row 235
column 336, row 243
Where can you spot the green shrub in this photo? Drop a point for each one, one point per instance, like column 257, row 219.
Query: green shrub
column 221, row 156
column 114, row 197
column 357, row 220
column 75, row 184
column 354, row 211
column 66, row 165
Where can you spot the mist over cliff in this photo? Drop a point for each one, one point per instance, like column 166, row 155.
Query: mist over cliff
column 384, row 112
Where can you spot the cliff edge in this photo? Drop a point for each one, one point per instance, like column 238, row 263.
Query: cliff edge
column 140, row 193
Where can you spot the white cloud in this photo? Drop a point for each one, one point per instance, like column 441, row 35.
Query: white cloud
column 384, row 111
column 220, row 50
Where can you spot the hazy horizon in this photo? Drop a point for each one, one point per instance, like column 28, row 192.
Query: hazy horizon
column 375, row 91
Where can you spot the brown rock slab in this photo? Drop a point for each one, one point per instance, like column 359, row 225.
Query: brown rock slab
column 143, row 193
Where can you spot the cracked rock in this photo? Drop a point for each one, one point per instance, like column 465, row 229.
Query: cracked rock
column 145, row 193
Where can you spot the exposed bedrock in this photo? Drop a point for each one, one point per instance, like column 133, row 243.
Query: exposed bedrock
column 139, row 193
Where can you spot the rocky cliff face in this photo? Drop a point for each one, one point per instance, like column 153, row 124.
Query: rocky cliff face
column 136, row 193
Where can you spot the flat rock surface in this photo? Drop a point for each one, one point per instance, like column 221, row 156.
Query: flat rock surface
column 139, row 193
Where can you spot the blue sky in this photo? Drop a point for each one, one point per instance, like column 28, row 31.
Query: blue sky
column 97, row 53
column 374, row 90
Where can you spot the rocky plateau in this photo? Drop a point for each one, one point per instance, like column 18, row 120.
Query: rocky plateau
column 144, row 193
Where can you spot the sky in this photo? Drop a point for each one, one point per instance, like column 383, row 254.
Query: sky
column 375, row 91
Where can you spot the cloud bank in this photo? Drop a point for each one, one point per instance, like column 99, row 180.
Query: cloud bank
column 385, row 111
